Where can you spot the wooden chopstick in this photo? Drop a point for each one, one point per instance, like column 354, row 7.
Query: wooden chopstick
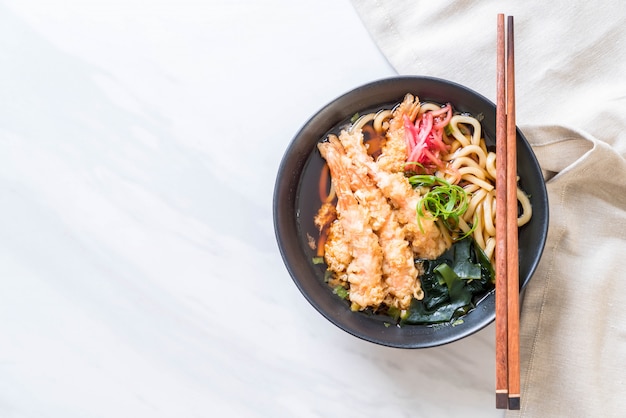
column 512, row 272
column 507, row 267
column 502, row 383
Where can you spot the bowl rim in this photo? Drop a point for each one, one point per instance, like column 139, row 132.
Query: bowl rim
column 287, row 183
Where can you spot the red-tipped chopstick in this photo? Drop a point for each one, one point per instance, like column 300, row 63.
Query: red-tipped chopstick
column 502, row 383
column 512, row 272
column 507, row 274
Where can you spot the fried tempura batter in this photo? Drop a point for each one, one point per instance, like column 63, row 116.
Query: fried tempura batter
column 375, row 239
column 427, row 241
column 364, row 271
column 394, row 152
column 399, row 270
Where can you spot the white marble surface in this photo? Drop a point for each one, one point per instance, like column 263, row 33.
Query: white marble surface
column 139, row 271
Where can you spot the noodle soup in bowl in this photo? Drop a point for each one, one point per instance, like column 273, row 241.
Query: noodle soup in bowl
column 383, row 216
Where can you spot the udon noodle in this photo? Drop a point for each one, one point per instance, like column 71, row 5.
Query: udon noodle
column 371, row 162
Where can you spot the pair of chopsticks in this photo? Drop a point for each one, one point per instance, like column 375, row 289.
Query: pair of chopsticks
column 507, row 274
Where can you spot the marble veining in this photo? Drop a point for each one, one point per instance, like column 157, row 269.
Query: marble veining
column 139, row 269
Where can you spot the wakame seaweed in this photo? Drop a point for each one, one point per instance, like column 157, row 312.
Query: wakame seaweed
column 451, row 284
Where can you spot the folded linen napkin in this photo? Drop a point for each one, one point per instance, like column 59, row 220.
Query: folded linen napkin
column 571, row 106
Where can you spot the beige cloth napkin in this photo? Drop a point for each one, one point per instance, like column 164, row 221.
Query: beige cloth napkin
column 571, row 105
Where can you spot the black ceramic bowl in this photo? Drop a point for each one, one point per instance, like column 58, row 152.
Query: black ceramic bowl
column 295, row 205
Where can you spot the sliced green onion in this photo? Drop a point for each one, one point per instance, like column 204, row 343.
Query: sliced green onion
column 410, row 163
column 444, row 201
column 394, row 312
column 341, row 291
column 419, row 180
